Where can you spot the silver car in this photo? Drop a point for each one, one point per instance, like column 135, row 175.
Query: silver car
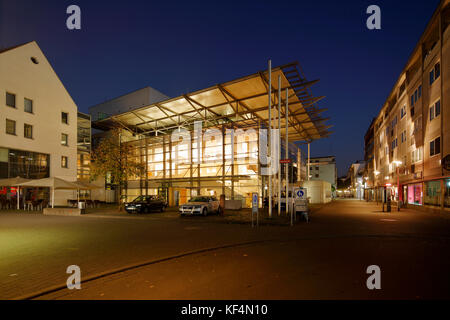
column 200, row 205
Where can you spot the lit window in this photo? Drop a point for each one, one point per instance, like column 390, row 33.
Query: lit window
column 64, row 139
column 64, row 162
column 10, row 127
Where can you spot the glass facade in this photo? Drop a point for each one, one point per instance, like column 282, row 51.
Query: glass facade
column 25, row 164
column 220, row 164
column 432, row 194
column 83, row 146
column 415, row 194
column 447, row 193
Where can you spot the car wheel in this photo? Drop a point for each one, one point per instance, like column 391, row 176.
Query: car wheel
column 205, row 212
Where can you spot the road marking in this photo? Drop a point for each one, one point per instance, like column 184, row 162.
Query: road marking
column 388, row 220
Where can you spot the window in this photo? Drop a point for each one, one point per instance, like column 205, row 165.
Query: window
column 64, row 162
column 403, row 112
column 64, row 139
column 394, row 144
column 10, row 127
column 435, row 146
column 317, row 175
column 28, row 105
column 65, row 117
column 435, row 73
column 437, row 70
column 435, row 110
column 404, row 136
column 420, row 91
column 10, row 100
column 416, row 155
column 28, row 131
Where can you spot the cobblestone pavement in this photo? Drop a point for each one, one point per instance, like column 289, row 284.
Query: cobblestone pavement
column 342, row 238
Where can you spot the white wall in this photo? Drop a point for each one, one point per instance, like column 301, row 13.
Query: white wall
column 38, row 82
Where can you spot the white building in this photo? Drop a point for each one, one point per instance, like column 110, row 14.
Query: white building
column 38, row 119
column 324, row 169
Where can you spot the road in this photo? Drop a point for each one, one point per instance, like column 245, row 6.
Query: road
column 198, row 259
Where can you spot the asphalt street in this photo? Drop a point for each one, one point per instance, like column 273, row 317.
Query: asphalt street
column 200, row 259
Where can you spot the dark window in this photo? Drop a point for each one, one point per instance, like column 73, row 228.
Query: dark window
column 28, row 105
column 34, row 60
column 317, row 175
column 412, row 100
column 64, row 162
column 65, row 117
column 64, row 139
column 437, row 108
column 431, row 77
column 28, row 131
column 10, row 127
column 435, row 146
column 432, row 113
column 420, row 91
column 437, row 70
column 10, row 100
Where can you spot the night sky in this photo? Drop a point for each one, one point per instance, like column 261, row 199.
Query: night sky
column 182, row 46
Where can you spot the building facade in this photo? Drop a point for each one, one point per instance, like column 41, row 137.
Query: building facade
column 412, row 129
column 38, row 119
column 324, row 169
column 215, row 141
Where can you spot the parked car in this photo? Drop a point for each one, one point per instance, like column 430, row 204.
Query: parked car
column 145, row 204
column 200, row 205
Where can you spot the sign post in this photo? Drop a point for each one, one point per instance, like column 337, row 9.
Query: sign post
column 255, row 208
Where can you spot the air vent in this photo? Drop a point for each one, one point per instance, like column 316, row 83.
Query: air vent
column 34, row 60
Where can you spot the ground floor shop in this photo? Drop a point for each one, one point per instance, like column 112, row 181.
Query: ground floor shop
column 433, row 193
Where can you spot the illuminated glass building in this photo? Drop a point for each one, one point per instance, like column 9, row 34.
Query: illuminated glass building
column 165, row 136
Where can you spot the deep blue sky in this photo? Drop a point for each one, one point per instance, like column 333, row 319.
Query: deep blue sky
column 182, row 46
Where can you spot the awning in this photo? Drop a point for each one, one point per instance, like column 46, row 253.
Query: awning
column 243, row 102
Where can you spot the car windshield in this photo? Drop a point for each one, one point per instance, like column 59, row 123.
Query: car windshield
column 199, row 199
column 144, row 198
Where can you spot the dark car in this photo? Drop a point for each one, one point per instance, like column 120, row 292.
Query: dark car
column 145, row 204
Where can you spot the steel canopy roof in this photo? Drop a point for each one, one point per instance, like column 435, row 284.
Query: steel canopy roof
column 242, row 103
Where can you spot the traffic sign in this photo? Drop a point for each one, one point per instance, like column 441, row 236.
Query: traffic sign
column 300, row 193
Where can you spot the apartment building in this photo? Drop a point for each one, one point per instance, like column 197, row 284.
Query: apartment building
column 324, row 169
column 412, row 129
column 38, row 120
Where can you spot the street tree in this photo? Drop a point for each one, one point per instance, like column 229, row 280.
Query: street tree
column 116, row 160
